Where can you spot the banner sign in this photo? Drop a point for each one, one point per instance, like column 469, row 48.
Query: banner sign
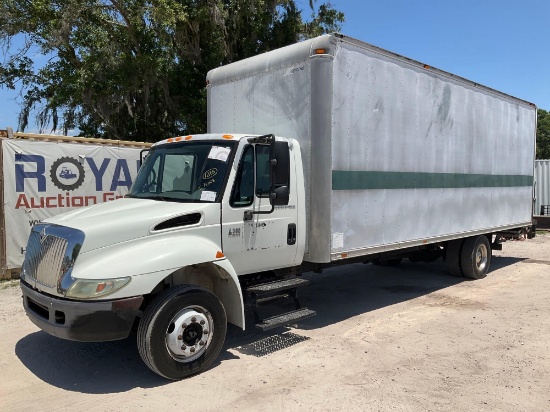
column 43, row 179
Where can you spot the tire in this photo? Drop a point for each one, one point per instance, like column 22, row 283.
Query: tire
column 475, row 257
column 452, row 257
column 196, row 313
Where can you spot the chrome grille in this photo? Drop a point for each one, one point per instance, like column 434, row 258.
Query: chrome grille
column 44, row 258
column 50, row 255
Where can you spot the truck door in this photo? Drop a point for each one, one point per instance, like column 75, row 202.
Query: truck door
column 257, row 242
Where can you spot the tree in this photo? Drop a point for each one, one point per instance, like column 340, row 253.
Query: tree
column 135, row 69
column 543, row 134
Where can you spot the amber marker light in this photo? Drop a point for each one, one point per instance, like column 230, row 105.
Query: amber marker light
column 227, row 136
column 178, row 138
column 188, row 137
column 320, row 51
column 219, row 255
column 170, row 140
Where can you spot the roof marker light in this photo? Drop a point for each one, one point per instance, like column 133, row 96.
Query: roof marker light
column 227, row 136
column 219, row 255
column 188, row 137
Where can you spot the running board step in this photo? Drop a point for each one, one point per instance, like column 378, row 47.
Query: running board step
column 277, row 286
column 285, row 319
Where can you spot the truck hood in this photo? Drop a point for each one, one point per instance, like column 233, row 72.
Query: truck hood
column 126, row 219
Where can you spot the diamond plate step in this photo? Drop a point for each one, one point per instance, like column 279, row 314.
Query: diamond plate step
column 277, row 286
column 285, row 319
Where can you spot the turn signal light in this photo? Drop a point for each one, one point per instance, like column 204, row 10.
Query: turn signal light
column 219, row 255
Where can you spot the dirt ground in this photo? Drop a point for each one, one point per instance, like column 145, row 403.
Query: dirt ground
column 409, row 338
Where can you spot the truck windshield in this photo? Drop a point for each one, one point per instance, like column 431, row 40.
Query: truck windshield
column 184, row 172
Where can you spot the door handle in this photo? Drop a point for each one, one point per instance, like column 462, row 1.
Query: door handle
column 291, row 234
column 248, row 215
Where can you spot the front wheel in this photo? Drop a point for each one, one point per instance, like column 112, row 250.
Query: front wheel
column 182, row 332
column 475, row 257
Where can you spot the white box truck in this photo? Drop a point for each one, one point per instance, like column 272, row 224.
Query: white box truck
column 345, row 153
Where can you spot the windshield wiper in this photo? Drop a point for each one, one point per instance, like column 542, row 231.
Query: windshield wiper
column 166, row 199
column 153, row 197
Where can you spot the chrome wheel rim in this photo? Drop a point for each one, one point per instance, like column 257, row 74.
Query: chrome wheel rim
column 481, row 257
column 189, row 333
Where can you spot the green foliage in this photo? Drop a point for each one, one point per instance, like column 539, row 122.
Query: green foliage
column 543, row 134
column 135, row 69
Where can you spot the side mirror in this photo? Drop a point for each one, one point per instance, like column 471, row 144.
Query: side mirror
column 280, row 196
column 279, row 173
column 279, row 159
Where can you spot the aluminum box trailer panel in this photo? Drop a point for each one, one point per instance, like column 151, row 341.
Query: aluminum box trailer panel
column 542, row 187
column 395, row 153
column 45, row 175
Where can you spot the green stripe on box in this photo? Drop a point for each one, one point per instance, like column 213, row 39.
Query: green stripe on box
column 369, row 180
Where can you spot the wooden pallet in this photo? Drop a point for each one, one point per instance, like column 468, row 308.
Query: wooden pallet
column 10, row 274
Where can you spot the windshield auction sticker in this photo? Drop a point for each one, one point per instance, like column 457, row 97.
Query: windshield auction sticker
column 208, row 196
column 219, row 153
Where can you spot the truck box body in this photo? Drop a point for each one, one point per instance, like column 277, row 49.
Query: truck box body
column 542, row 188
column 396, row 154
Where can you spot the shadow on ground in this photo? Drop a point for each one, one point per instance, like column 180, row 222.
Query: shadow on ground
column 107, row 367
column 336, row 294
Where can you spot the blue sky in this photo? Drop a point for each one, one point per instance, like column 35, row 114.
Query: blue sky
column 502, row 44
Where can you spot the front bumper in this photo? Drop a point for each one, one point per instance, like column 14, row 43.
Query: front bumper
column 84, row 321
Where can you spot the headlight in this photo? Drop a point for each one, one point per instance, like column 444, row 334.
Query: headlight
column 91, row 289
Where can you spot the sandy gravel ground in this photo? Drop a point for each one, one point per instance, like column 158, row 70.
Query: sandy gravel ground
column 410, row 338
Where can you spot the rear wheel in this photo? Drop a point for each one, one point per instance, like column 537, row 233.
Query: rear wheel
column 452, row 257
column 475, row 257
column 182, row 332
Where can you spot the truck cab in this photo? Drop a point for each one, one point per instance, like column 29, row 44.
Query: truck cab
column 205, row 212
